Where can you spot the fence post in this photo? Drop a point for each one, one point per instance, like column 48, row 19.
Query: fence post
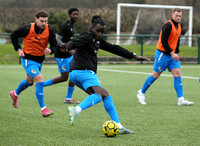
column 141, row 39
column 20, row 43
column 198, row 49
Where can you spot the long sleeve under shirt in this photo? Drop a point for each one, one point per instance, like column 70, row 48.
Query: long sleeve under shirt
column 65, row 34
column 23, row 31
column 166, row 30
column 85, row 57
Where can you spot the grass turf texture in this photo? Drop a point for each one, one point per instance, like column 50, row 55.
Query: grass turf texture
column 160, row 122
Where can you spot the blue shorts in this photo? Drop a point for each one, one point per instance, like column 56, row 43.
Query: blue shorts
column 84, row 79
column 64, row 64
column 163, row 61
column 31, row 67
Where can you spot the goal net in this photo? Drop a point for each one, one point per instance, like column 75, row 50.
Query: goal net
column 147, row 20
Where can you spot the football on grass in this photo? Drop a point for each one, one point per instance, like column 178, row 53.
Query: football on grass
column 110, row 128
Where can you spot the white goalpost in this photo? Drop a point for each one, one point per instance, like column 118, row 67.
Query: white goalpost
column 120, row 5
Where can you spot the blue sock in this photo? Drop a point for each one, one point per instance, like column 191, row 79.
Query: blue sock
column 149, row 81
column 22, row 86
column 69, row 92
column 47, row 83
column 90, row 101
column 40, row 94
column 110, row 108
column 178, row 86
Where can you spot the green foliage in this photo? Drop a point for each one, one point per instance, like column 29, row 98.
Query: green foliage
column 160, row 122
column 57, row 18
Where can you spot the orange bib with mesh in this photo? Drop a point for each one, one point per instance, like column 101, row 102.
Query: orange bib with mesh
column 173, row 37
column 34, row 44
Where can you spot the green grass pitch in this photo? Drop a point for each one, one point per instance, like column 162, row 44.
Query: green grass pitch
column 160, row 122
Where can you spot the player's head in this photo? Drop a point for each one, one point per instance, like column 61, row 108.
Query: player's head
column 98, row 26
column 73, row 14
column 41, row 18
column 176, row 14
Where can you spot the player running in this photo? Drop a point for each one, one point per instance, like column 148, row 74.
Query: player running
column 65, row 34
column 35, row 39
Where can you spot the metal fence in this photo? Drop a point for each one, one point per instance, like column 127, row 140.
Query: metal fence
column 143, row 42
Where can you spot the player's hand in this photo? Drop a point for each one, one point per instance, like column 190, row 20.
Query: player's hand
column 141, row 58
column 174, row 56
column 72, row 52
column 21, row 53
column 63, row 47
column 47, row 51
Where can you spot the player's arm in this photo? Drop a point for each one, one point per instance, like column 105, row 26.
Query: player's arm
column 19, row 33
column 59, row 39
column 61, row 33
column 120, row 51
column 82, row 40
column 177, row 47
column 166, row 30
column 52, row 42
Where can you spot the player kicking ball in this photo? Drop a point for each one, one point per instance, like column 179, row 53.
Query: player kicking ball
column 84, row 67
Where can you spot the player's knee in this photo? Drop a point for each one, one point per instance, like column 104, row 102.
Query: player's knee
column 64, row 77
column 156, row 74
column 94, row 90
column 104, row 93
column 39, row 84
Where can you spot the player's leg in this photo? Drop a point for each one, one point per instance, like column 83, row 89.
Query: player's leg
column 35, row 74
column 178, row 86
column 86, row 80
column 39, row 92
column 89, row 101
column 111, row 110
column 22, row 85
column 160, row 65
column 149, row 81
column 63, row 68
column 68, row 98
column 70, row 89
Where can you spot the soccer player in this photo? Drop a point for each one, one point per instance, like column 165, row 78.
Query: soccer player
column 166, row 56
column 84, row 67
column 35, row 39
column 65, row 33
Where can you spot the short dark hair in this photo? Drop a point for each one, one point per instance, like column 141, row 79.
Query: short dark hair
column 71, row 10
column 41, row 13
column 176, row 9
column 96, row 19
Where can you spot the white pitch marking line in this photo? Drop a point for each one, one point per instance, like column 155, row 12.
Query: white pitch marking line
column 144, row 73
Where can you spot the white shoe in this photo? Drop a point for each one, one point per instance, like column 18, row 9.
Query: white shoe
column 141, row 97
column 123, row 130
column 185, row 102
column 72, row 114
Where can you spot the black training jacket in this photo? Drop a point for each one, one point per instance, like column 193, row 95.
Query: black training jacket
column 85, row 57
